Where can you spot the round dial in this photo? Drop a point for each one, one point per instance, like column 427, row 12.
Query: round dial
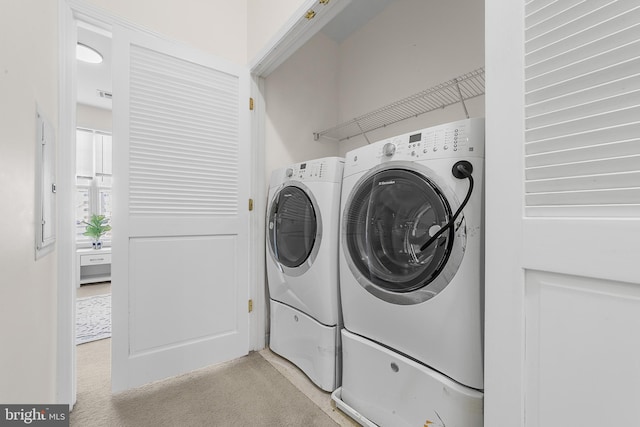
column 389, row 149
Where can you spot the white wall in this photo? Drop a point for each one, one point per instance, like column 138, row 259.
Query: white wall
column 214, row 26
column 301, row 97
column 90, row 117
column 28, row 76
column 410, row 46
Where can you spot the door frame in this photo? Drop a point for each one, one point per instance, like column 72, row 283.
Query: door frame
column 295, row 32
column 504, row 403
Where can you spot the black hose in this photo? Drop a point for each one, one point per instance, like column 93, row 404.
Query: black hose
column 462, row 169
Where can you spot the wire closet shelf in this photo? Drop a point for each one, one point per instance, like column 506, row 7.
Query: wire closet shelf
column 458, row 89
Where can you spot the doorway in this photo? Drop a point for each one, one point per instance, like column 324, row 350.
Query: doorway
column 93, row 196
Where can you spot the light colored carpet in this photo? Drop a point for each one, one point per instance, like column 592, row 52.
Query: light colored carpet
column 93, row 318
column 247, row 391
column 97, row 407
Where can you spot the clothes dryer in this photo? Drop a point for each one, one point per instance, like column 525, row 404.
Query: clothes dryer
column 302, row 267
column 411, row 268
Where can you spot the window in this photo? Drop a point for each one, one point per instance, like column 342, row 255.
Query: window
column 93, row 180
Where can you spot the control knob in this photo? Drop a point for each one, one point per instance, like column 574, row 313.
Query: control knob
column 389, row 149
column 289, row 172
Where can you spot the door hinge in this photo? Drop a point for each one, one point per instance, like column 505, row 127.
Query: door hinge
column 250, row 305
column 250, row 205
column 251, row 104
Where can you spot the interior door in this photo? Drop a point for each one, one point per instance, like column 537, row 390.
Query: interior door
column 180, row 222
column 563, row 213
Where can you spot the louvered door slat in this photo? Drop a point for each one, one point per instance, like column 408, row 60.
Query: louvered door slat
column 599, row 166
column 586, row 197
column 593, row 182
column 584, row 153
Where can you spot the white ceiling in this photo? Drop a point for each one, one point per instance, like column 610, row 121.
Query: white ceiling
column 97, row 77
column 94, row 77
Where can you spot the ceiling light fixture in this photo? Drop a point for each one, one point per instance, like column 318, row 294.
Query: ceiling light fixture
column 87, row 54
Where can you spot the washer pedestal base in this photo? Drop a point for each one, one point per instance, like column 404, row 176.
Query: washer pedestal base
column 388, row 389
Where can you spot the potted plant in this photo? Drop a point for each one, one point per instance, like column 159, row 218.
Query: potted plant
column 96, row 228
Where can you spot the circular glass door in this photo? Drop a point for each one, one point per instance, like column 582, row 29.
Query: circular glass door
column 390, row 214
column 294, row 229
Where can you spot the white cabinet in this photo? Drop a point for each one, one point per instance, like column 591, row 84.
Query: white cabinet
column 93, row 265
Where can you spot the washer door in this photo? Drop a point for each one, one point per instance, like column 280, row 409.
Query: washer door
column 294, row 228
column 391, row 212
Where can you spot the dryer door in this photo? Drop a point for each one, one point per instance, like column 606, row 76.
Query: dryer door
column 390, row 213
column 294, row 228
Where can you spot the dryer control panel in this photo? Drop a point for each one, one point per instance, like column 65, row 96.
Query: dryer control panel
column 328, row 169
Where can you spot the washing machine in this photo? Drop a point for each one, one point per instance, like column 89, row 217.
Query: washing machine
column 411, row 277
column 303, row 217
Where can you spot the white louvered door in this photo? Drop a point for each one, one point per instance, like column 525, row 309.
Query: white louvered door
column 563, row 213
column 180, row 224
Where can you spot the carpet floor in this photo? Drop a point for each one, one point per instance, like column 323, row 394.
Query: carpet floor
column 247, row 391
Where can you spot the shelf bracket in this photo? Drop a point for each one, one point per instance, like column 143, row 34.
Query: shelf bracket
column 363, row 133
column 464, row 106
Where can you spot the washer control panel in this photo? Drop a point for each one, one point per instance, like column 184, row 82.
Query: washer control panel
column 458, row 139
column 461, row 139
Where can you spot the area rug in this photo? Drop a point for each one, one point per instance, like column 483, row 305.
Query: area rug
column 93, row 318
